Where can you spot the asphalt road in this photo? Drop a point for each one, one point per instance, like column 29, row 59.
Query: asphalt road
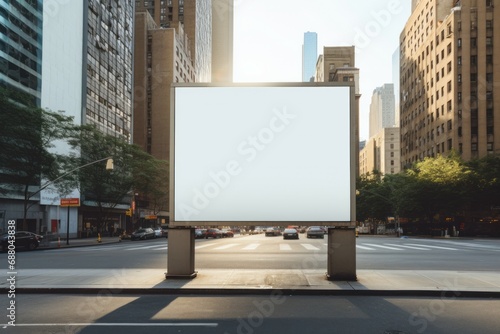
column 273, row 314
column 260, row 252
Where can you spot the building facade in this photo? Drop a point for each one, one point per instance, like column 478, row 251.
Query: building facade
column 382, row 109
column 196, row 16
column 448, row 93
column 87, row 71
column 21, row 47
column 381, row 153
column 337, row 64
column 162, row 57
column 309, row 56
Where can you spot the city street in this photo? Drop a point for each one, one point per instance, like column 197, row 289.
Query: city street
column 261, row 252
column 105, row 303
column 274, row 314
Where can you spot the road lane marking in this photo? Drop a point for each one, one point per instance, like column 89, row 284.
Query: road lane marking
column 121, row 324
column 142, row 247
column 226, row 246
column 285, row 247
column 309, row 247
column 251, row 247
column 386, row 247
column 438, row 247
column 363, row 247
column 203, row 246
column 410, row 247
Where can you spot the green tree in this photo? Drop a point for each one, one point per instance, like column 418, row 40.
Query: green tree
column 134, row 170
column 27, row 139
column 484, row 188
column 442, row 183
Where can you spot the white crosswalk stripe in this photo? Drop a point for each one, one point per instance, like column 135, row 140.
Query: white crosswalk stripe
column 142, row 247
column 309, row 247
column 285, row 247
column 437, row 247
column 226, row 246
column 410, row 247
column 382, row 246
column 363, row 247
column 251, row 247
column 203, row 246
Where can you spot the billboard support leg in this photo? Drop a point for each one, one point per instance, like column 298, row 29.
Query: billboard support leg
column 180, row 253
column 341, row 254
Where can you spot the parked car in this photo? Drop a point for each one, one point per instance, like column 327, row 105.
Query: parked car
column 23, row 239
column 271, row 232
column 315, row 232
column 227, row 233
column 158, row 232
column 200, row 233
column 143, row 234
column 165, row 230
column 290, row 233
column 213, row 233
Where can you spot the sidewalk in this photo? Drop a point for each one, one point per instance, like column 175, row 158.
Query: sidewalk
column 435, row 283
column 62, row 243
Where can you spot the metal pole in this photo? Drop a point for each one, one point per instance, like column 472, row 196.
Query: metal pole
column 67, row 229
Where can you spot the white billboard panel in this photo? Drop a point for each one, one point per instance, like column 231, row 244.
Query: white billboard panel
column 262, row 154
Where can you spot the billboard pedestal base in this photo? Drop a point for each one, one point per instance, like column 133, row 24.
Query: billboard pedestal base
column 341, row 254
column 180, row 253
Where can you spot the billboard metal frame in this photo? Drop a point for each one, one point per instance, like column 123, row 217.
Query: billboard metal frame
column 353, row 151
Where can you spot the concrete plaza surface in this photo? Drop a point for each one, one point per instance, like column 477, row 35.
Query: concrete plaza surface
column 252, row 281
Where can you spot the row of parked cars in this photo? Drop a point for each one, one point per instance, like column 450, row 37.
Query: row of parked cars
column 204, row 233
column 292, row 232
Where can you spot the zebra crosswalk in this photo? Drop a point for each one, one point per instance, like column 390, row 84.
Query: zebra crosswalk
column 296, row 246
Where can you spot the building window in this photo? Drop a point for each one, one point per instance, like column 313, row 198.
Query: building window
column 449, row 86
column 489, row 147
column 459, row 96
column 459, row 42
column 473, row 147
column 448, row 105
column 489, row 41
column 450, row 144
column 489, row 59
column 459, row 60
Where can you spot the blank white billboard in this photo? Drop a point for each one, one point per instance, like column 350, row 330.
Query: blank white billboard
column 262, row 154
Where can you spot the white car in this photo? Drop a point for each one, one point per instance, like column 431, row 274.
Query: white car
column 158, row 232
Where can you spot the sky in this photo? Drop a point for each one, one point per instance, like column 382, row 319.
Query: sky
column 268, row 38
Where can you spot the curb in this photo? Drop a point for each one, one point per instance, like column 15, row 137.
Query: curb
column 264, row 292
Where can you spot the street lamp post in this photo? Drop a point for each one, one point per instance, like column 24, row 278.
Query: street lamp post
column 109, row 166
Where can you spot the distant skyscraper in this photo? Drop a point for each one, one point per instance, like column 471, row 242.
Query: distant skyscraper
column 382, row 113
column 395, row 81
column 309, row 56
column 21, row 46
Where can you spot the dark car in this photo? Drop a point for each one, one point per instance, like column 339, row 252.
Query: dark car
column 227, row 233
column 271, row 232
column 23, row 239
column 213, row 233
column 290, row 233
column 315, row 232
column 143, row 234
column 200, row 233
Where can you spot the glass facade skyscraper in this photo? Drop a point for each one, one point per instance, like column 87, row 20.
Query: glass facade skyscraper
column 21, row 46
column 309, row 56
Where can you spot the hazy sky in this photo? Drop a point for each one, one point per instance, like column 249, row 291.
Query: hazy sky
column 268, row 38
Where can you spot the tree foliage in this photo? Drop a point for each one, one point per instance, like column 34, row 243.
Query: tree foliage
column 441, row 186
column 27, row 140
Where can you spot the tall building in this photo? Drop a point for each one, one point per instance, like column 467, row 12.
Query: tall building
column 222, row 40
column 448, row 93
column 21, row 72
column 382, row 112
column 87, row 72
column 337, row 64
column 21, row 47
column 196, row 16
column 395, row 81
column 162, row 57
column 381, row 153
column 309, row 56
